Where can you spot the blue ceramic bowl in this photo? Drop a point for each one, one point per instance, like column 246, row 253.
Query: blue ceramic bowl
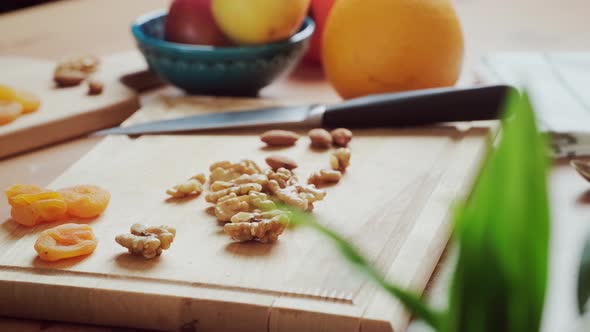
column 201, row 69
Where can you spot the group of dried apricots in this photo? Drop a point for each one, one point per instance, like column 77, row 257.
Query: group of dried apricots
column 15, row 102
column 33, row 205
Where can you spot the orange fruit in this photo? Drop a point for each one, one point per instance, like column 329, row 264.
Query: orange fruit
column 9, row 111
column 378, row 46
column 85, row 201
column 65, row 241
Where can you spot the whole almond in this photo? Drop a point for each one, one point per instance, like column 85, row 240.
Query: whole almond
column 275, row 162
column 279, row 137
column 68, row 77
column 341, row 137
column 320, row 138
column 95, row 87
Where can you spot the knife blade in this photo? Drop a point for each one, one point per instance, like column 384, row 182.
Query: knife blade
column 414, row 108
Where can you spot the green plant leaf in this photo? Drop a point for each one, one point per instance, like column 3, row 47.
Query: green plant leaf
column 584, row 278
column 503, row 234
column 502, row 231
column 412, row 301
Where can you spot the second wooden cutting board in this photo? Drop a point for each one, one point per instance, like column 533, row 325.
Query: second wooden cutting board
column 393, row 202
column 65, row 112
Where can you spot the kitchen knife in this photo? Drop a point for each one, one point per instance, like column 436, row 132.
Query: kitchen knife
column 414, row 108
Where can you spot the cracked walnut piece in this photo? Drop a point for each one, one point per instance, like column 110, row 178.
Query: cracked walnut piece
column 193, row 186
column 73, row 71
column 282, row 176
column 230, row 205
column 324, row 176
column 164, row 233
column 241, row 189
column 227, row 171
column 340, row 159
column 87, row 64
column 147, row 241
column 261, row 179
column 263, row 227
column 298, row 196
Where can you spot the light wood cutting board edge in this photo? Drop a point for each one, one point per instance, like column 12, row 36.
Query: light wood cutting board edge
column 251, row 310
column 61, row 130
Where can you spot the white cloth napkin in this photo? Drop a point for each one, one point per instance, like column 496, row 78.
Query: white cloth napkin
column 559, row 87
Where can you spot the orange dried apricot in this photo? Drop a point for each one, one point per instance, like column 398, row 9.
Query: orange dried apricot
column 19, row 189
column 6, row 93
column 65, row 241
column 28, row 100
column 9, row 111
column 85, row 201
column 32, row 209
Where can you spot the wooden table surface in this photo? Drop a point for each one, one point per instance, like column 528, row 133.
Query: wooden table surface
column 102, row 27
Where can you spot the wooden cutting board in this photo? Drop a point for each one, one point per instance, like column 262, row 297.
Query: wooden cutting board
column 68, row 112
column 393, row 203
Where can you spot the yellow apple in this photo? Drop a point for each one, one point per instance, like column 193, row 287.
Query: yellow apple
column 252, row 22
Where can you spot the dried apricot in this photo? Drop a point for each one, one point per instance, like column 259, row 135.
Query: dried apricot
column 28, row 100
column 6, row 93
column 32, row 209
column 9, row 111
column 19, row 189
column 85, row 201
column 65, row 241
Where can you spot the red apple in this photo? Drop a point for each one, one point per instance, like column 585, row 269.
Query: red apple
column 192, row 22
column 320, row 9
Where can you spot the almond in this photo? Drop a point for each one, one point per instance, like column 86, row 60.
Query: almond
column 275, row 162
column 341, row 137
column 68, row 77
column 279, row 137
column 320, row 138
column 95, row 87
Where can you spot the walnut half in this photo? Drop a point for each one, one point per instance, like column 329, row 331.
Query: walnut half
column 193, row 186
column 147, row 241
column 340, row 159
column 324, row 176
column 227, row 171
column 298, row 196
column 263, row 227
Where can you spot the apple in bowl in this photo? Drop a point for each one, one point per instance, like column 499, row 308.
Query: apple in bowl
column 192, row 22
column 255, row 22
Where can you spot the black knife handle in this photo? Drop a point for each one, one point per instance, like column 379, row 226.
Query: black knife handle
column 416, row 108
